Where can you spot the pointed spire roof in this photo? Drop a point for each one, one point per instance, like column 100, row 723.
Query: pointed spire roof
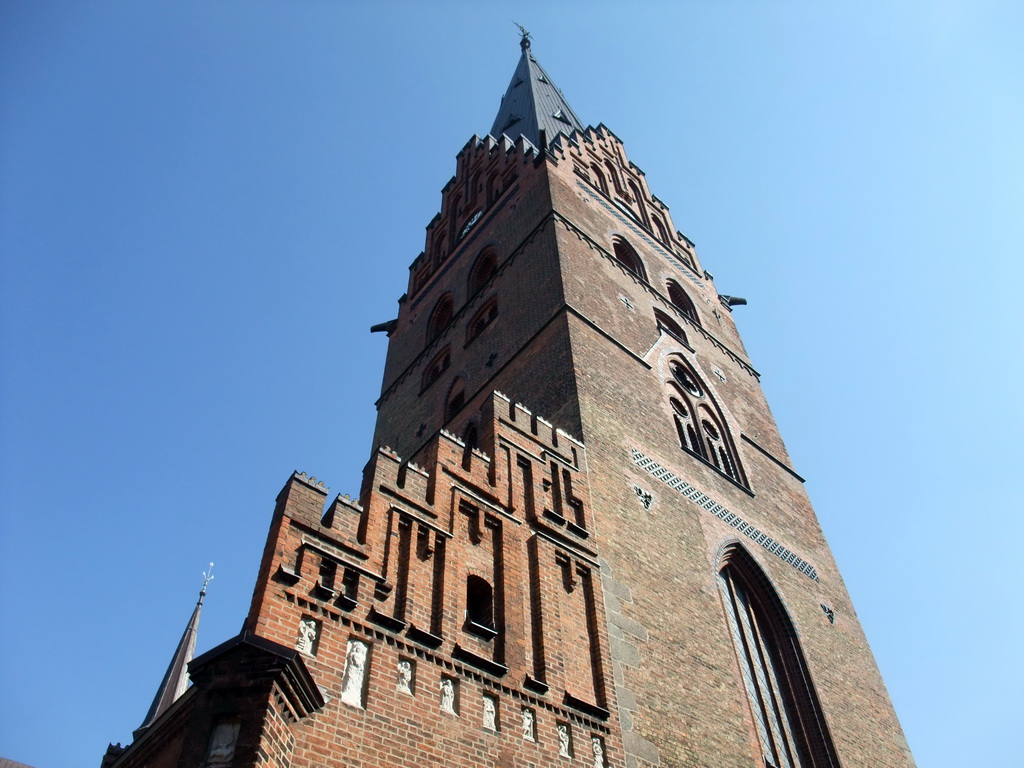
column 175, row 680
column 533, row 104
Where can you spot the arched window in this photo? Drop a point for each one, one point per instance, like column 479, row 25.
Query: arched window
column 788, row 721
column 456, row 399
column 484, row 317
column 437, row 366
column 599, row 180
column 627, row 257
column 717, row 450
column 440, row 317
column 681, row 301
column 669, row 326
column 479, row 604
column 484, row 267
column 682, row 413
column 699, row 424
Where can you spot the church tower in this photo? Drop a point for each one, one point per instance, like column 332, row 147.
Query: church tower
column 579, row 539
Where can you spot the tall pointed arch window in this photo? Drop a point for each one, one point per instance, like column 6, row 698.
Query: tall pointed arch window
column 440, row 317
column 786, row 713
column 599, row 179
column 627, row 256
column 699, row 423
column 681, row 301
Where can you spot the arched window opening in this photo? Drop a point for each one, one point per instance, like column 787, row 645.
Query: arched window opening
column 717, row 451
column 482, row 271
column 440, row 317
column 456, row 399
column 628, row 257
column 684, row 420
column 786, row 713
column 669, row 326
column 699, row 424
column 484, row 317
column 686, row 379
column 479, row 606
column 681, row 301
column 437, row 366
column 599, row 179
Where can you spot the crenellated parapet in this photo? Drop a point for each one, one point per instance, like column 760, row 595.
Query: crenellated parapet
column 598, row 158
column 464, row 571
column 487, row 170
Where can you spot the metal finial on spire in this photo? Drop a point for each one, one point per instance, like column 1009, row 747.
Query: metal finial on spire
column 524, row 36
column 207, row 578
column 176, row 679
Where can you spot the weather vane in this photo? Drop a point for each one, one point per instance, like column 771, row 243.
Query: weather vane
column 207, row 578
column 524, row 35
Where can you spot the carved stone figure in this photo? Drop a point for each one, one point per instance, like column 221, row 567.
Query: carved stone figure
column 405, row 676
column 307, row 636
column 564, row 741
column 490, row 713
column 355, row 669
column 448, row 696
column 221, row 751
column 528, row 725
column 598, row 751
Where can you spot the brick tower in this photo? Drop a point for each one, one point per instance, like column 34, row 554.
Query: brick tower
column 579, row 539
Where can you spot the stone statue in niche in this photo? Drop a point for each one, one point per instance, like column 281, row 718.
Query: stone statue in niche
column 405, row 676
column 490, row 713
column 448, row 696
column 564, row 741
column 528, row 725
column 307, row 636
column 221, row 751
column 355, row 669
column 598, row 751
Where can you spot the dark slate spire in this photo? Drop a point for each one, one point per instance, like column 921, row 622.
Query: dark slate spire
column 532, row 105
column 175, row 680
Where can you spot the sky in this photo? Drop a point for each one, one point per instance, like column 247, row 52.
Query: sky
column 204, row 206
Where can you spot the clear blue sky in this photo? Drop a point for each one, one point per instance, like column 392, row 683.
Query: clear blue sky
column 204, row 206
